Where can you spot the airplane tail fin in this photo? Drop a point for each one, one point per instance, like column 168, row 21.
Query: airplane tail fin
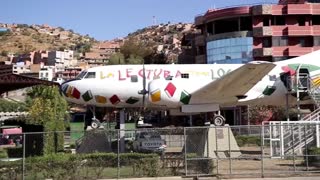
column 309, row 61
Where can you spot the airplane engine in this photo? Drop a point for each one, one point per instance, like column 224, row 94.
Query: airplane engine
column 170, row 93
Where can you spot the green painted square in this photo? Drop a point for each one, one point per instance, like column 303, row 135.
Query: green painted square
column 185, row 97
column 132, row 100
column 87, row 96
column 269, row 90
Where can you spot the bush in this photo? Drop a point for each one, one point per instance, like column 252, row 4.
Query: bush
column 248, row 140
column 314, row 158
column 15, row 152
column 3, row 154
column 68, row 166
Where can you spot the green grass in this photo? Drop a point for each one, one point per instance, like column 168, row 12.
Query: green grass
column 76, row 129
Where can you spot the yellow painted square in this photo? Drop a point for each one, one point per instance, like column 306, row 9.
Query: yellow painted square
column 100, row 99
column 156, row 96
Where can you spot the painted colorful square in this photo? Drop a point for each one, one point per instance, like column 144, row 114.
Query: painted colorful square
column 156, row 95
column 132, row 100
column 114, row 99
column 269, row 90
column 87, row 96
column 76, row 93
column 170, row 89
column 185, row 97
column 69, row 92
column 100, row 99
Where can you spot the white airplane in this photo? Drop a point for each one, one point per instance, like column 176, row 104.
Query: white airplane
column 191, row 89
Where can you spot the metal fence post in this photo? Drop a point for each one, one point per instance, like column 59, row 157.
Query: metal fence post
column 24, row 156
column 185, row 151
column 217, row 154
column 262, row 151
column 306, row 146
column 293, row 153
column 230, row 168
column 118, row 169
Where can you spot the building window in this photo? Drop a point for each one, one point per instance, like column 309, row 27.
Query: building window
column 266, row 42
column 301, row 21
column 185, row 75
column 280, row 41
column 266, row 22
column 302, row 42
column 278, row 21
column 316, row 41
column 47, row 74
column 316, row 20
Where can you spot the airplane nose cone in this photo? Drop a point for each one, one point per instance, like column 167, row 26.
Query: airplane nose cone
column 64, row 86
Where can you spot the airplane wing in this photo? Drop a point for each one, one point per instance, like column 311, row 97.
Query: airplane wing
column 232, row 86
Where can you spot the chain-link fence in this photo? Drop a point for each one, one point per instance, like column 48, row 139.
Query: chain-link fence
column 255, row 151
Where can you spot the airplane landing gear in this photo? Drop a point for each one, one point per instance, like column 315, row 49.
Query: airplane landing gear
column 95, row 123
column 218, row 120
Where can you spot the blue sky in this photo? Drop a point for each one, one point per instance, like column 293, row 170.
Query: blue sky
column 108, row 19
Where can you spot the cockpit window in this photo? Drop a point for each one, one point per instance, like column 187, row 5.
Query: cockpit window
column 82, row 74
column 90, row 75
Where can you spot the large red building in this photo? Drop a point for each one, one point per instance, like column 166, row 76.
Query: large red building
column 270, row 32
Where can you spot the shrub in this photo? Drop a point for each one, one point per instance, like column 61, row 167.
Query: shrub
column 314, row 156
column 3, row 154
column 15, row 152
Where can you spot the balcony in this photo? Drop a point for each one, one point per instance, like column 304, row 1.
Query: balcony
column 299, row 9
column 261, row 52
column 286, row 31
column 299, row 51
column 265, row 9
column 262, row 31
column 300, row 30
column 200, row 40
column 201, row 59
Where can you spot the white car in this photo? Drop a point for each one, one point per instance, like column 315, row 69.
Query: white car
column 149, row 142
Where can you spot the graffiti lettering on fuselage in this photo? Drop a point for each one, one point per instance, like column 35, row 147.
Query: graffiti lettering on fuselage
column 218, row 73
column 151, row 73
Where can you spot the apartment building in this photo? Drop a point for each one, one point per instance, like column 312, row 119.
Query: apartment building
column 269, row 32
column 61, row 59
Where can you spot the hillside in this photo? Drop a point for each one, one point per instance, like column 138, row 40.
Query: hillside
column 22, row 38
column 165, row 37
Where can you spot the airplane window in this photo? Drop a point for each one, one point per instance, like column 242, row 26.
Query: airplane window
column 91, row 75
column 82, row 74
column 134, row 78
column 186, row 76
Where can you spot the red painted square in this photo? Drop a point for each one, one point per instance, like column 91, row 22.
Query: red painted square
column 75, row 93
column 114, row 99
column 170, row 89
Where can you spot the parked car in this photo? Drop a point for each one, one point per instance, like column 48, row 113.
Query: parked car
column 149, row 142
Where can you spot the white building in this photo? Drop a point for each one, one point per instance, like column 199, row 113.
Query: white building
column 19, row 68
column 60, row 59
column 47, row 73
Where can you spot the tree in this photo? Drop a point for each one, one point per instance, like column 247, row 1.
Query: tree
column 116, row 58
column 136, row 49
column 48, row 108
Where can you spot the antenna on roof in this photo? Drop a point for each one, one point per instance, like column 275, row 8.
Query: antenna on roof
column 154, row 20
